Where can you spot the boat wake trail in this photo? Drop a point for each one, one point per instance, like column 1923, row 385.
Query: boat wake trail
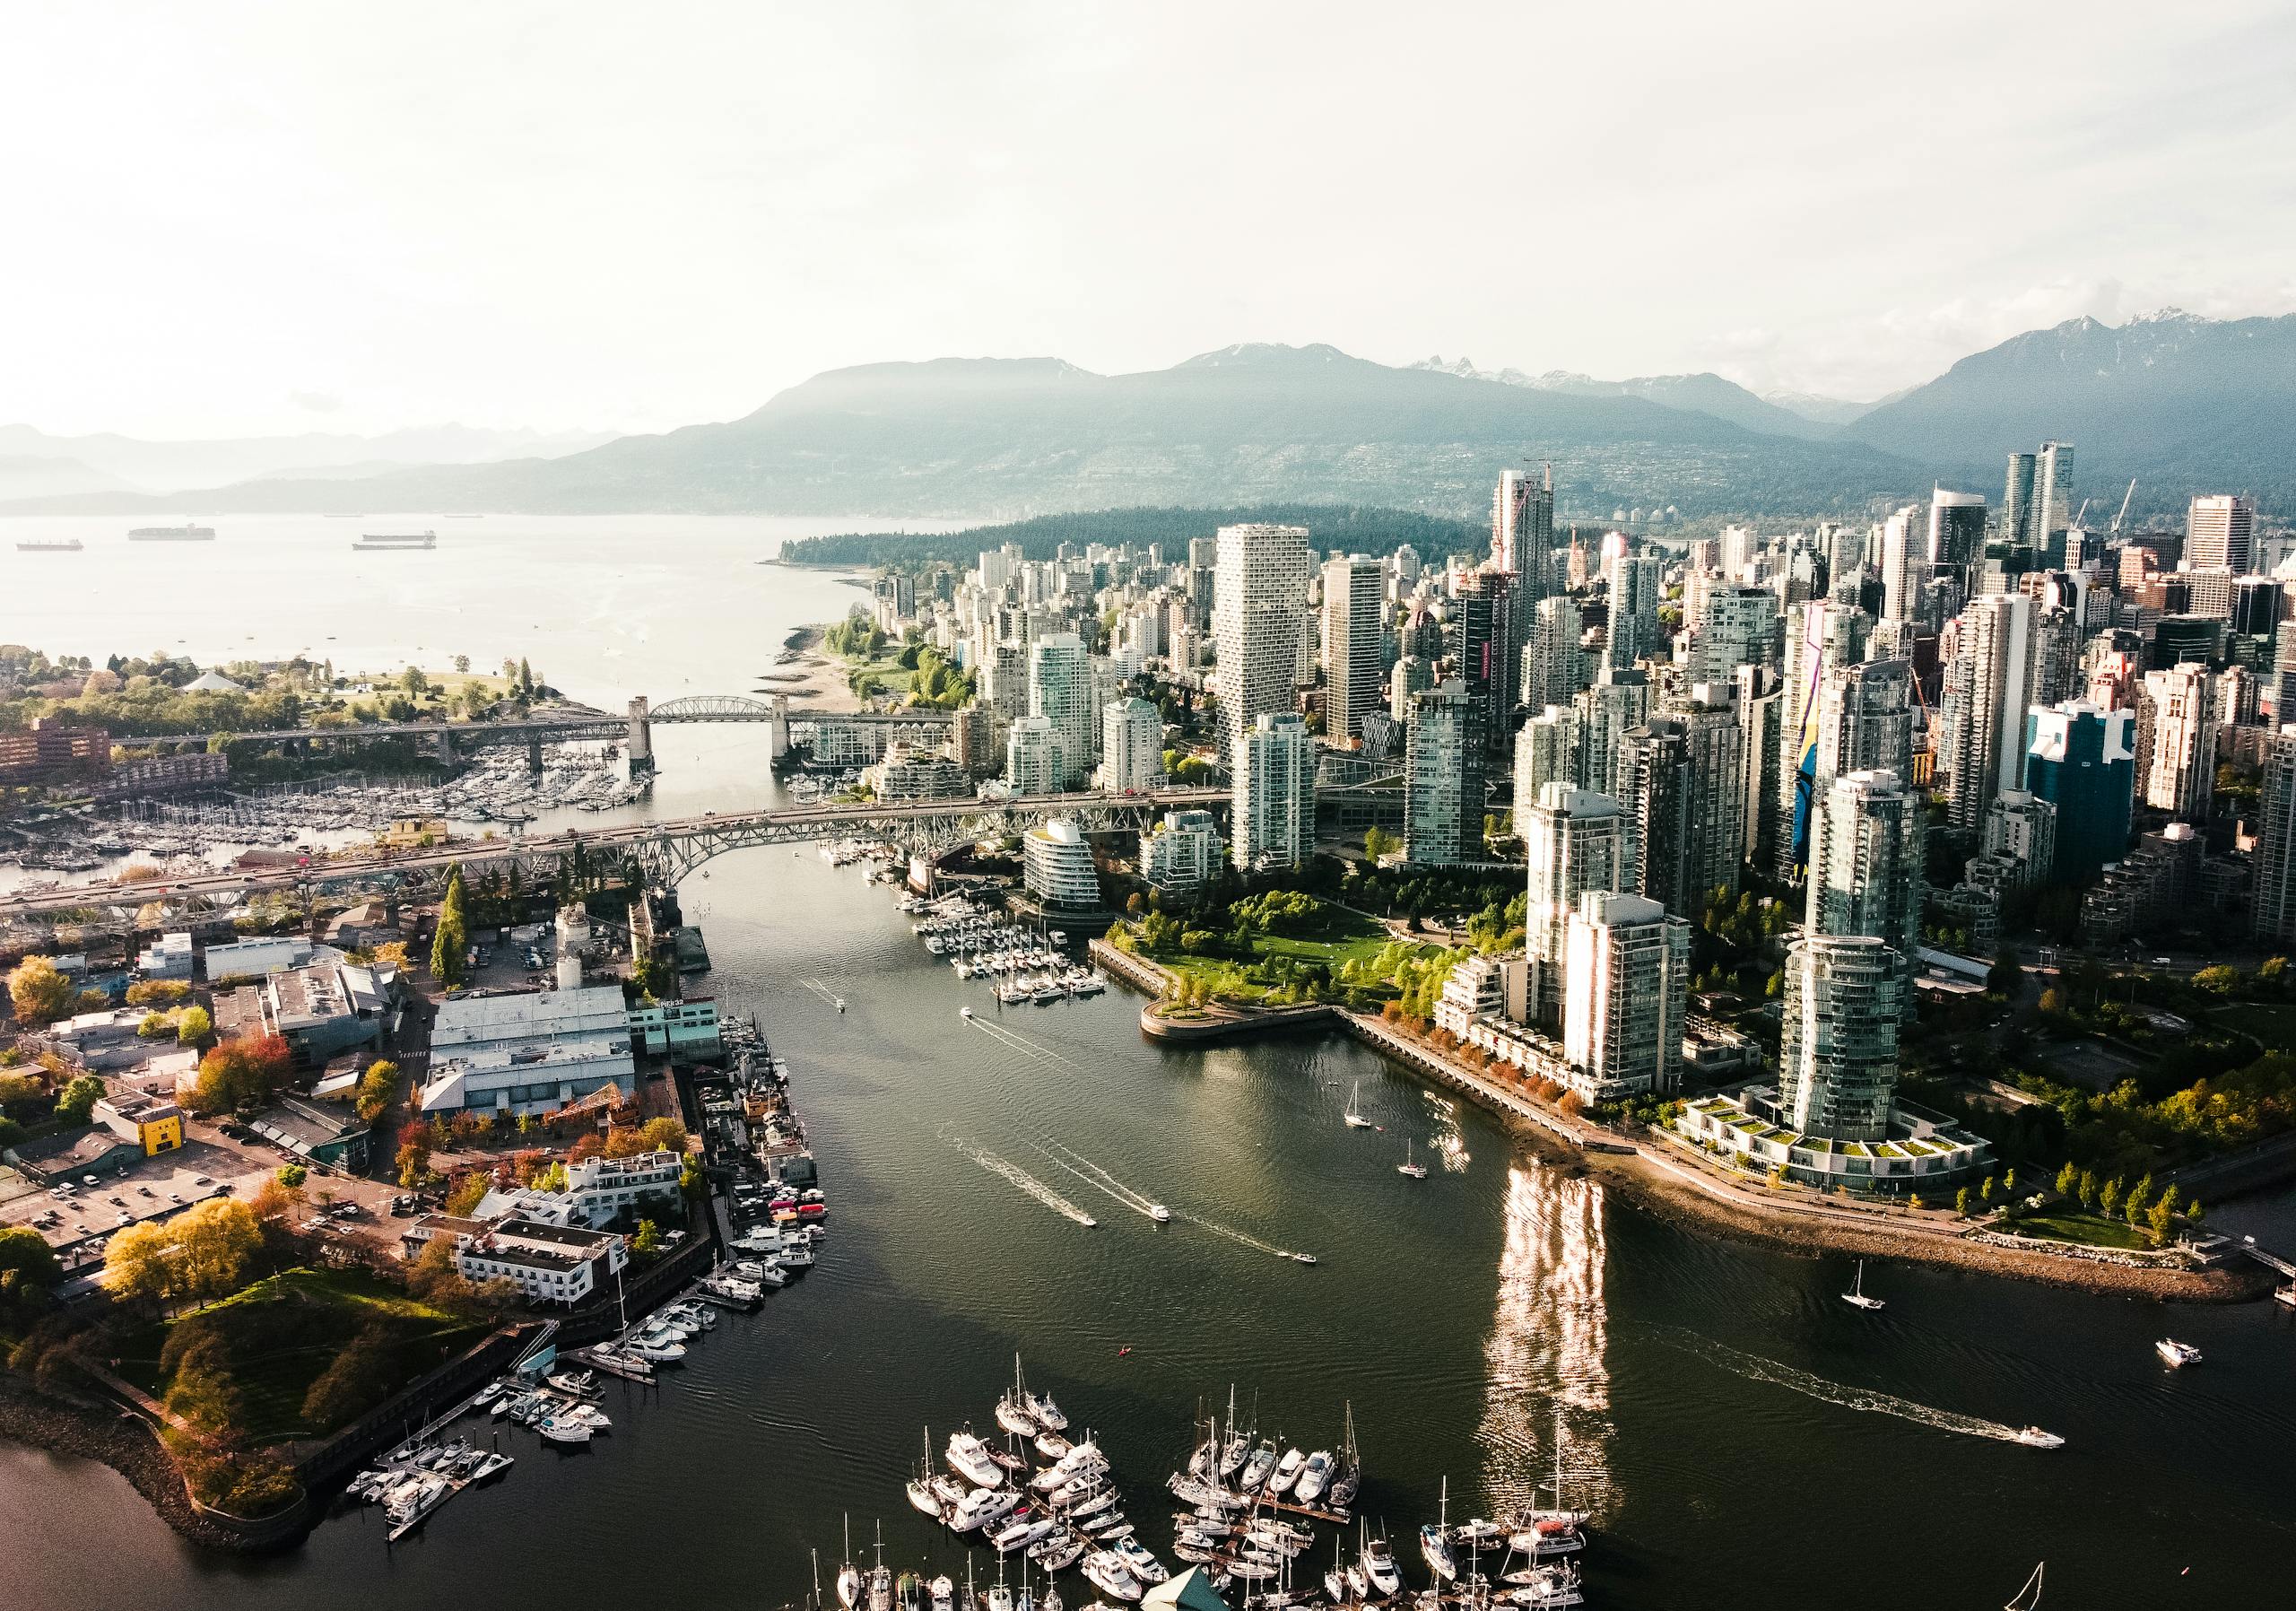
column 1232, row 1234
column 1022, row 1179
column 1018, row 1042
column 1095, row 1177
column 1755, row 1368
column 822, row 990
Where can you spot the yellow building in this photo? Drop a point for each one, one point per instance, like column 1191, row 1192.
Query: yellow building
column 152, row 1123
column 414, row 832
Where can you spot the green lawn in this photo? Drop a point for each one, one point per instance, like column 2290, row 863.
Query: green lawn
column 280, row 1334
column 2087, row 1229
column 2273, row 1025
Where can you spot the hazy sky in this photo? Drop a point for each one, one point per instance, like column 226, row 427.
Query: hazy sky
column 223, row 218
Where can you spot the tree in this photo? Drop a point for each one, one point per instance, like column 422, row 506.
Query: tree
column 1378, row 843
column 1961, row 1202
column 526, row 679
column 415, row 1146
column 2218, row 980
column 195, row 1026
column 242, row 1073
column 2159, row 1217
column 2009, row 1182
column 376, row 1088
column 2085, row 1188
column 1984, row 1191
column 469, row 1192
column 77, row 1099
column 2109, row 1197
column 29, row 1271
column 450, row 946
column 2140, row 1196
column 291, row 1176
column 664, row 1135
column 2006, row 977
column 648, row 1240
column 355, row 1380
column 41, row 995
column 2069, row 1178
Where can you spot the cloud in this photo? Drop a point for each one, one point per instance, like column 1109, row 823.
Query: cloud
column 315, row 402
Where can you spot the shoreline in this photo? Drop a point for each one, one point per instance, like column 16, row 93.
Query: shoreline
column 1648, row 1179
column 56, row 1425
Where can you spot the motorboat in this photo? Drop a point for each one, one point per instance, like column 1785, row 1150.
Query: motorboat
column 2176, row 1354
column 1091, row 1505
column 1139, row 1563
column 1025, row 1528
column 1379, row 1568
column 1856, row 1296
column 1052, row 1446
column 1045, row 1412
column 1057, row 1550
column 948, row 1490
column 942, row 1593
column 563, row 1428
column 1258, row 1466
column 1313, row 1478
column 1478, row 1534
column 969, row 1458
column 1105, row 1570
column 982, row 1507
column 1287, row 1472
column 2033, row 1437
column 1159, row 1213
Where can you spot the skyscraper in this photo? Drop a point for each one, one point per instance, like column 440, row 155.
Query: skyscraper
column 2083, row 759
column 1547, row 751
column 1865, row 721
column 1060, row 691
column 2017, row 502
column 1730, row 626
column 1484, row 648
column 1634, row 634
column 1273, row 794
column 1956, row 527
column 1354, row 604
column 1904, row 564
column 1682, row 785
column 1033, row 761
column 2052, row 502
column 2178, row 707
column 1866, row 866
column 1988, row 685
column 2274, row 907
column 1522, row 529
column 1443, row 778
column 2219, row 533
column 1132, row 745
column 1553, row 666
column 1259, row 589
column 1617, row 703
column 1576, row 841
column 1838, row 1049
column 1628, row 994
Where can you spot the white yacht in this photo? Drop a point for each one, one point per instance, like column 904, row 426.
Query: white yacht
column 969, row 1458
column 1856, row 1296
column 2033, row 1437
column 1313, row 1478
column 2176, row 1354
column 1286, row 1472
column 1417, row 1172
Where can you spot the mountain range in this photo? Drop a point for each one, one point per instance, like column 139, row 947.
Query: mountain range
column 2183, row 404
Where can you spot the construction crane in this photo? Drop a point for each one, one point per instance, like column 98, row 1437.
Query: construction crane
column 2114, row 530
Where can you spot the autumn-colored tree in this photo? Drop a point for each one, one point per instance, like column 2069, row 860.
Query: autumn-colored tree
column 39, row 993
column 665, row 1136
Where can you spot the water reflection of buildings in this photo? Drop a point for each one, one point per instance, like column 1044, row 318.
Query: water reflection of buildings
column 1548, row 1347
column 1448, row 1143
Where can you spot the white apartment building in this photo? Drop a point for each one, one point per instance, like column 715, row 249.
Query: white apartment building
column 1033, row 756
column 1626, row 1000
column 1132, row 745
column 1576, row 841
column 1274, row 793
column 1988, row 686
column 1182, row 854
column 549, row 1263
column 1057, row 867
column 1060, row 691
column 1354, row 606
column 2177, row 710
column 1259, row 592
column 1838, row 1055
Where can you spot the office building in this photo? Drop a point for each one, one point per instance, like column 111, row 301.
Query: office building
column 1443, row 775
column 1682, row 785
column 2082, row 760
column 1034, row 759
column 1484, row 648
column 1354, row 609
column 1956, row 529
column 2017, row 502
column 1181, row 855
column 1259, row 592
column 1838, row 1049
column 1866, row 866
column 1905, row 564
column 1988, row 685
column 1060, row 691
column 1274, row 794
column 1056, row 867
column 2220, row 532
column 1132, row 745
column 1617, row 703
column 1575, row 840
column 1627, row 999
column 2176, row 711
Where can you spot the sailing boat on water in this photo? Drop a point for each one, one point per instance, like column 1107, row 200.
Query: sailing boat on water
column 1349, row 1468
column 1417, row 1172
column 2030, row 1595
column 1856, row 1296
column 1355, row 1120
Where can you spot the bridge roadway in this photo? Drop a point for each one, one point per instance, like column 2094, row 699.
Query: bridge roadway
column 696, row 707
column 669, row 849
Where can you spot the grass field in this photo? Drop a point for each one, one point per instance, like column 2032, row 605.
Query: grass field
column 280, row 1334
column 1346, row 937
column 2087, row 1230
column 2273, row 1025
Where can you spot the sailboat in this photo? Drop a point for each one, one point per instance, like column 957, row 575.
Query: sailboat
column 1355, row 1122
column 1417, row 1172
column 1349, row 1477
column 1013, row 1410
column 1856, row 1296
column 2030, row 1595
column 921, row 1487
column 848, row 1576
column 1435, row 1542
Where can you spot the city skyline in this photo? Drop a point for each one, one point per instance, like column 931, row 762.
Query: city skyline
column 386, row 226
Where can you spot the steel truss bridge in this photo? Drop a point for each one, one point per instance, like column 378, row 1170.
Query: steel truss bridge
column 664, row 852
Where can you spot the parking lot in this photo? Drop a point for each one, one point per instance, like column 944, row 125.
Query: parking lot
column 79, row 1216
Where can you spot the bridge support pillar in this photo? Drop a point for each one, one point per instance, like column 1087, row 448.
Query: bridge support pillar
column 780, row 726
column 641, row 736
column 446, row 745
column 534, row 752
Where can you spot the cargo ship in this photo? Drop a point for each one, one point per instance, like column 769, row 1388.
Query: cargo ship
column 388, row 541
column 172, row 534
column 69, row 545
